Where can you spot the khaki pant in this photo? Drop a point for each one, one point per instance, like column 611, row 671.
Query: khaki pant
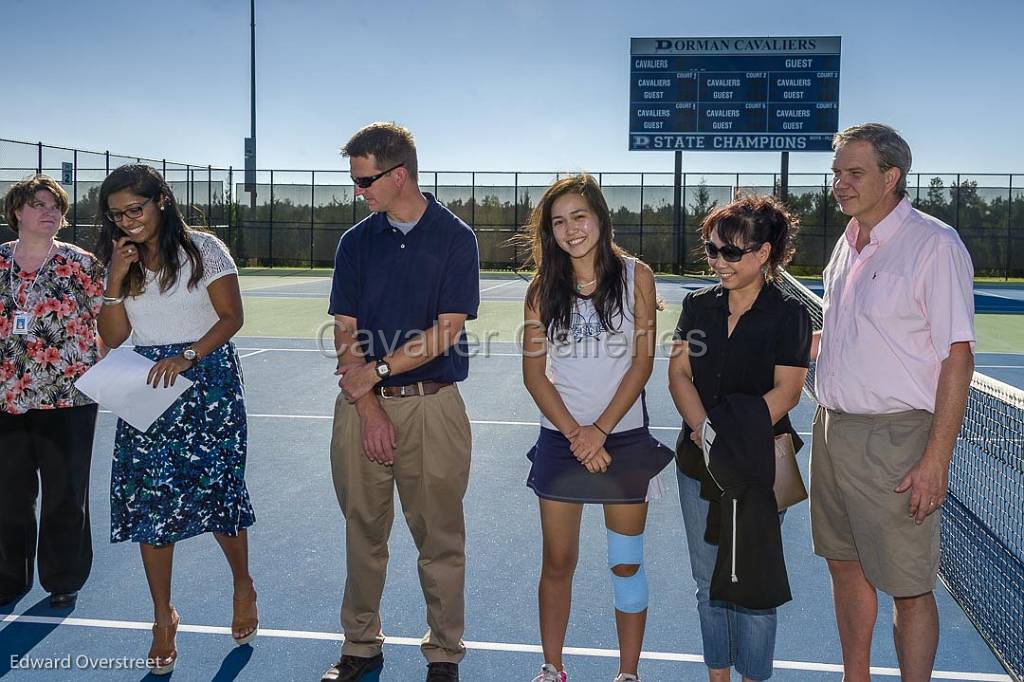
column 856, row 463
column 431, row 471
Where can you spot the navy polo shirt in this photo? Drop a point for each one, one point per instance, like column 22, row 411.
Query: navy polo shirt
column 396, row 285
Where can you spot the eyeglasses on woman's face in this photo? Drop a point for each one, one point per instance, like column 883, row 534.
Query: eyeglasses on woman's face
column 132, row 212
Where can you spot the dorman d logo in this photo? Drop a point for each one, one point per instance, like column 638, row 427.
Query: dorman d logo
column 641, row 141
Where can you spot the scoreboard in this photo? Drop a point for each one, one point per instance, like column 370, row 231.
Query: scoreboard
column 733, row 94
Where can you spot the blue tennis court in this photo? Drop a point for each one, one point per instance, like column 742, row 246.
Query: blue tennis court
column 297, row 555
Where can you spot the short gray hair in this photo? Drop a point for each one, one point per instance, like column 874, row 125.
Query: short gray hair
column 891, row 149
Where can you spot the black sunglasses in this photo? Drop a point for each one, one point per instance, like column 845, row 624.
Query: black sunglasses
column 731, row 253
column 367, row 180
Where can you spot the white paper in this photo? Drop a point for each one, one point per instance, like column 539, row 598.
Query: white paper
column 118, row 383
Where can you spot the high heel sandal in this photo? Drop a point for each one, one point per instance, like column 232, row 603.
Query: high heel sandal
column 245, row 617
column 164, row 652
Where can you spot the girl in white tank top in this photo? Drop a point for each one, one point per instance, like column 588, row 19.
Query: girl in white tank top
column 588, row 351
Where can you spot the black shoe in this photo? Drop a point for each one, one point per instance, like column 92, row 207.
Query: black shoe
column 443, row 672
column 352, row 668
column 63, row 600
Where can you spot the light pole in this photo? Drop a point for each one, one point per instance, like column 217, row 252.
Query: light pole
column 250, row 142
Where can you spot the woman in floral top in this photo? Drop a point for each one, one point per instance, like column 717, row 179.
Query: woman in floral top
column 50, row 294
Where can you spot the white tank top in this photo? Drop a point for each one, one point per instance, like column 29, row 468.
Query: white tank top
column 588, row 368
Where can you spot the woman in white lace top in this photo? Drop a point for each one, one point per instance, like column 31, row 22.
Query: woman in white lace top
column 174, row 290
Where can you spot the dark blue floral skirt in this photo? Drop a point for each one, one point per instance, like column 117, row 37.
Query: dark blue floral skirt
column 186, row 474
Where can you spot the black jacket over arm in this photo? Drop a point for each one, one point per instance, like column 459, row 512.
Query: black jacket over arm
column 750, row 569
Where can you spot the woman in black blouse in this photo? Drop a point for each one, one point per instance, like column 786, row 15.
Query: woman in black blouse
column 741, row 336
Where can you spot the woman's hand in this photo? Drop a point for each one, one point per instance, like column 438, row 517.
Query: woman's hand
column 588, row 440
column 598, row 464
column 167, row 370
column 124, row 254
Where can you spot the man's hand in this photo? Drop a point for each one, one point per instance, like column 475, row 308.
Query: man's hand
column 357, row 379
column 927, row 481
column 379, row 439
column 587, row 441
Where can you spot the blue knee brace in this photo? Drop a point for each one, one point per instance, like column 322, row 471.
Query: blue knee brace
column 630, row 591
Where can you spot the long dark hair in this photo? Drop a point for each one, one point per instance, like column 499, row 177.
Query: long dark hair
column 173, row 233
column 553, row 292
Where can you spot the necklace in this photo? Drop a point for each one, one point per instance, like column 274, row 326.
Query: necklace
column 581, row 287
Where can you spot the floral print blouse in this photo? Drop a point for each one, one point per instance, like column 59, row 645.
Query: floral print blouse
column 38, row 369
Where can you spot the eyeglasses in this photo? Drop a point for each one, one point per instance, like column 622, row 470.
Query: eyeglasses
column 367, row 180
column 131, row 212
column 731, row 253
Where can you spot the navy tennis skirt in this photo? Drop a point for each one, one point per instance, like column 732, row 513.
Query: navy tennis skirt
column 556, row 474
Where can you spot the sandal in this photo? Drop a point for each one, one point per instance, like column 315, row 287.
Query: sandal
column 164, row 652
column 245, row 619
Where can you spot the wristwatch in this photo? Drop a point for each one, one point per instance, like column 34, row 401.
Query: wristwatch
column 383, row 369
column 191, row 355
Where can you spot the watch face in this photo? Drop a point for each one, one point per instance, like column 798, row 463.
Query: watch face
column 189, row 354
column 382, row 369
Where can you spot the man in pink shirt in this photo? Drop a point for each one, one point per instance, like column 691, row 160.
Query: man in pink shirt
column 893, row 371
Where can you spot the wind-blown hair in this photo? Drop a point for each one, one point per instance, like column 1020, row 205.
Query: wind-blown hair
column 552, row 293
column 173, row 233
column 756, row 220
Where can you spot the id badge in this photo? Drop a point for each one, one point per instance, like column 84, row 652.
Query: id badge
column 22, row 320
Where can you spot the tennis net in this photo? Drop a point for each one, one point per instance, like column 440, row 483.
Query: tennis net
column 982, row 560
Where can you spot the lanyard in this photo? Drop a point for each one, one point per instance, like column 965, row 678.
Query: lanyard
column 35, row 280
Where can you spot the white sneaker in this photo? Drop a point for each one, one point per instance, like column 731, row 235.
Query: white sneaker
column 626, row 677
column 548, row 673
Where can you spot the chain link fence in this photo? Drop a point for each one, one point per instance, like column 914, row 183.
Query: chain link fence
column 297, row 216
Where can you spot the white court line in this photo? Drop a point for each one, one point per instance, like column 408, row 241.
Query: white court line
column 295, row 279
column 480, row 422
column 1000, row 366
column 659, row 358
column 498, row 286
column 255, row 352
column 482, row 646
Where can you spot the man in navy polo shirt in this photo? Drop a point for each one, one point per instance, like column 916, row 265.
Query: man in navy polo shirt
column 406, row 279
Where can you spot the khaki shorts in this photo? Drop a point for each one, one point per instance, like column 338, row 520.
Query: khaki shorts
column 856, row 463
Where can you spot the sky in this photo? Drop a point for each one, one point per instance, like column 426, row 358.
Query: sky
column 485, row 85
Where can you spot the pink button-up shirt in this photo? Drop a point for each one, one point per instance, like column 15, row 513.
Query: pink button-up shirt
column 891, row 313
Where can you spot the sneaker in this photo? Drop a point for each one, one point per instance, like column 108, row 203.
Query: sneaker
column 351, row 668
column 548, row 673
column 626, row 677
column 441, row 671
